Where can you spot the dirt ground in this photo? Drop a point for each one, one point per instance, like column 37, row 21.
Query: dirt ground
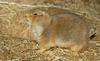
column 16, row 39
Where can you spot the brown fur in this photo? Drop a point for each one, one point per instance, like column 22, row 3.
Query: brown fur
column 64, row 30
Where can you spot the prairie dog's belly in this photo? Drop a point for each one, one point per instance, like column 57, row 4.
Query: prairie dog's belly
column 63, row 43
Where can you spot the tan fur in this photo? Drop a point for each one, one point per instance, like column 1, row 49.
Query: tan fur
column 64, row 30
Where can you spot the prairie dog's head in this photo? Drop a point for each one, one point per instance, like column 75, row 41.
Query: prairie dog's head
column 39, row 18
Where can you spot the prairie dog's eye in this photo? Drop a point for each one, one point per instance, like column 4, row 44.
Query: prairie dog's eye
column 35, row 14
column 38, row 13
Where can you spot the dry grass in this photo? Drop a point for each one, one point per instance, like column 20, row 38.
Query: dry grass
column 18, row 49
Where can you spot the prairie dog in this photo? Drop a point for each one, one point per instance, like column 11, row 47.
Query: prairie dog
column 63, row 30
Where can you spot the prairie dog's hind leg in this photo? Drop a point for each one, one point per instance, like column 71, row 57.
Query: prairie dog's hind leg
column 76, row 48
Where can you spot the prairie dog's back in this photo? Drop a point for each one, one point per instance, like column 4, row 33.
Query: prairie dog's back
column 68, row 26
